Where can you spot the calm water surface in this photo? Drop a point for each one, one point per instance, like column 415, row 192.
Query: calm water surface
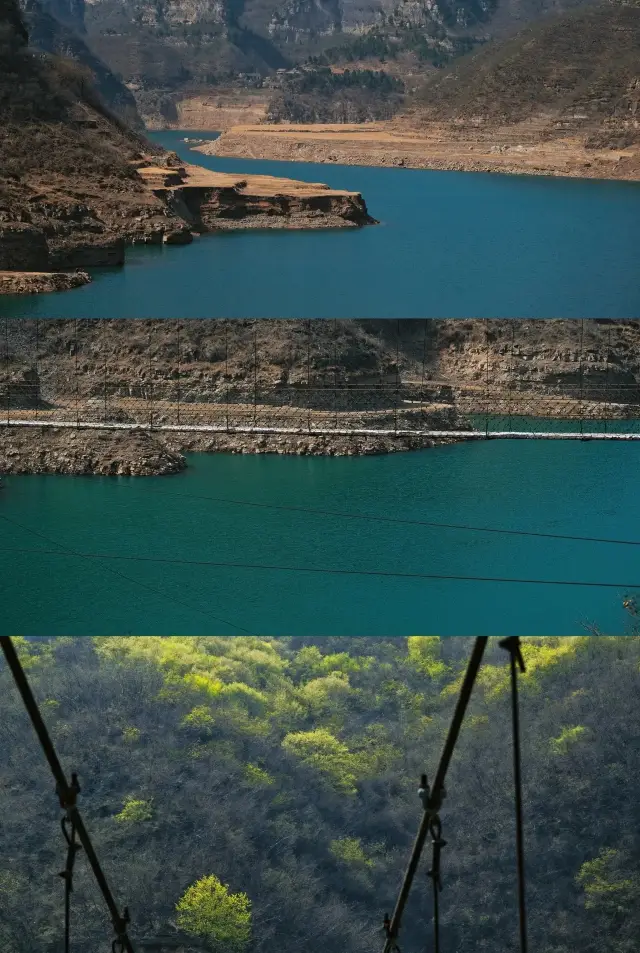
column 558, row 487
column 450, row 244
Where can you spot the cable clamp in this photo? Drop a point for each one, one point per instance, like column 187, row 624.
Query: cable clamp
column 435, row 828
column 68, row 796
column 431, row 799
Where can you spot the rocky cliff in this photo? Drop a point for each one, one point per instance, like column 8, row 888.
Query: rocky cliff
column 294, row 375
column 168, row 50
column 77, row 184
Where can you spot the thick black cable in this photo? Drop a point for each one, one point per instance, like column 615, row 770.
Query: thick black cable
column 269, row 567
column 512, row 645
column 65, row 551
column 404, row 522
column 66, row 792
column 436, row 794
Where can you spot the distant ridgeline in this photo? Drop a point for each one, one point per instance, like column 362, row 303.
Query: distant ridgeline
column 261, row 794
column 170, row 49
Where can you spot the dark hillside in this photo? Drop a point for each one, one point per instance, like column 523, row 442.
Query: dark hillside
column 582, row 66
column 62, row 36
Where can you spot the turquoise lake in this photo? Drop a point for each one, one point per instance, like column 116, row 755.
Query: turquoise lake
column 450, row 244
column 559, row 487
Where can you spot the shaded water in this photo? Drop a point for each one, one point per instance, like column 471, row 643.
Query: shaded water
column 554, row 487
column 450, row 244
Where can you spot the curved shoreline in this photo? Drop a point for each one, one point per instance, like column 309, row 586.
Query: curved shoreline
column 511, row 150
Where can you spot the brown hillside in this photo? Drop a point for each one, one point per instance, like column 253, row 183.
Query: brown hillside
column 583, row 68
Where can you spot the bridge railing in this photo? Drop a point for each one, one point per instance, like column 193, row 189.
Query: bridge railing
column 398, row 377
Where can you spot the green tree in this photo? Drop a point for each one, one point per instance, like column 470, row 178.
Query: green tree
column 209, row 910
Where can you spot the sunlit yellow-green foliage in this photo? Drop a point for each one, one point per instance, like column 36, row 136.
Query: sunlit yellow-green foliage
column 540, row 656
column 32, row 654
column 199, row 717
column 130, row 734
column 567, row 738
column 350, row 851
column 134, row 811
column 327, row 754
column 257, row 687
column 326, row 693
column 258, row 776
column 475, row 721
column 423, row 653
column 605, row 889
column 376, row 751
column 207, row 909
column 311, row 663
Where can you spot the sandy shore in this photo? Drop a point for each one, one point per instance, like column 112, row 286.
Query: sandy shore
column 524, row 148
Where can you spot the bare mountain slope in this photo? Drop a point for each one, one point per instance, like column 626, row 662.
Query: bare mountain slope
column 581, row 68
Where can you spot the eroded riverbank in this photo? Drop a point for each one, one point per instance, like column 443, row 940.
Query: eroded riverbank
column 173, row 203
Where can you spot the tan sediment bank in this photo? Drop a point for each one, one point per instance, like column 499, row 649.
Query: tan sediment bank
column 89, row 452
column 521, row 148
column 215, row 111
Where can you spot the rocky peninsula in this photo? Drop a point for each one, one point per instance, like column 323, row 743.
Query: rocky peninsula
column 84, row 451
column 173, row 203
column 78, row 184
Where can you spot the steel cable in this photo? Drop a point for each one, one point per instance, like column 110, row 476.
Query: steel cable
column 67, row 793
column 516, row 662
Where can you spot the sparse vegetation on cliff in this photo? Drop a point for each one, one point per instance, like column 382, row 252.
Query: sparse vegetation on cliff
column 320, row 95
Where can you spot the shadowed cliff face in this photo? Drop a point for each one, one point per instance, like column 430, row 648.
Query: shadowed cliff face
column 13, row 32
column 57, row 27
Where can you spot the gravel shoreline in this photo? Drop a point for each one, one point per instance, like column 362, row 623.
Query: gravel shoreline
column 88, row 452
